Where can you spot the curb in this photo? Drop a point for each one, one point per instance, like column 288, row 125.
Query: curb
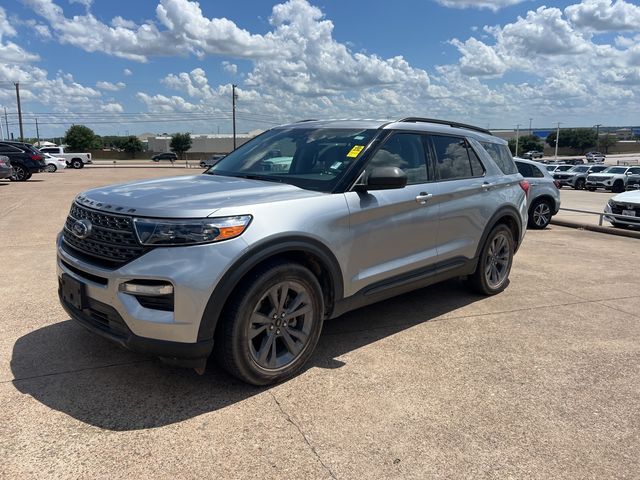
column 596, row 228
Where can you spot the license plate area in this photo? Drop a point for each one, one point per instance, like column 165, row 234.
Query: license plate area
column 72, row 291
column 629, row 213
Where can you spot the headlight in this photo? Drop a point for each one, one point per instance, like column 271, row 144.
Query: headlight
column 611, row 203
column 189, row 231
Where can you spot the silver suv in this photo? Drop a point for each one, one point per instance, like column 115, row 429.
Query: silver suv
column 301, row 224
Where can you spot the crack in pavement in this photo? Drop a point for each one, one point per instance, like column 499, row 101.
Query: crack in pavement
column 290, row 420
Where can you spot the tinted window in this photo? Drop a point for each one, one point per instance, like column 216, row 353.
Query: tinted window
column 551, row 168
column 615, row 170
column 4, row 148
column 502, row 156
column 405, row 151
column 579, row 169
column 537, row 173
column 455, row 159
column 525, row 169
column 634, row 171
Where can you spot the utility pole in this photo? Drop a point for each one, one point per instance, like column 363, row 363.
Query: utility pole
column 530, row 130
column 234, row 98
column 598, row 136
column 517, row 137
column 37, row 132
column 17, row 84
column 1, row 130
column 6, row 122
column 557, row 139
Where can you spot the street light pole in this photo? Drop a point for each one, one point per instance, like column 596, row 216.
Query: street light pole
column 530, row 130
column 233, row 94
column 557, row 139
column 517, row 137
column 598, row 136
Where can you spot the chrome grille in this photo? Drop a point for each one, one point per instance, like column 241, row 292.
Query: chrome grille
column 111, row 243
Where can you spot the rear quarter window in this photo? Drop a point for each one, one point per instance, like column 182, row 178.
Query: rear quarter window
column 501, row 155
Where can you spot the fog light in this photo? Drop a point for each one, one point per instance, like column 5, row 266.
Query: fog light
column 149, row 289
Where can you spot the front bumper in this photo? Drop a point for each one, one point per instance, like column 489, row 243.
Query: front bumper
column 599, row 183
column 194, row 272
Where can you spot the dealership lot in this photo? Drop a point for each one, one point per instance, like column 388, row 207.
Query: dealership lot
column 541, row 381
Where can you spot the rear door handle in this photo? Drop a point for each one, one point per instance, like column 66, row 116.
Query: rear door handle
column 488, row 186
column 423, row 197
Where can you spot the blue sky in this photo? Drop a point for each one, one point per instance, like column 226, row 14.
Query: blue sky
column 168, row 65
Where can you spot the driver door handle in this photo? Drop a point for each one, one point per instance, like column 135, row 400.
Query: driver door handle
column 423, row 197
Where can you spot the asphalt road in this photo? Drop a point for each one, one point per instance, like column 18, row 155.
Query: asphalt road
column 541, row 381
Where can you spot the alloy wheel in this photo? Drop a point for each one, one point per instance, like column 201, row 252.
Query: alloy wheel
column 541, row 214
column 497, row 261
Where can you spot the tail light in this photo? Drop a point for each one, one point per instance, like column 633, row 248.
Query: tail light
column 557, row 184
column 524, row 185
column 36, row 157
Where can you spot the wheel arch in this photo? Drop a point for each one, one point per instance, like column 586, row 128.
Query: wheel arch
column 509, row 216
column 311, row 253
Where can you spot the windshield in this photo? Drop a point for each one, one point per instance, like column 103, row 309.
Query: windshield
column 551, row 168
column 579, row 169
column 310, row 158
column 615, row 170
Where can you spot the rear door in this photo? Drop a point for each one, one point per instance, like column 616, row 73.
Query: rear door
column 394, row 231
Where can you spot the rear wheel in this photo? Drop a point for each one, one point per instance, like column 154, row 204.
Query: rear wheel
column 271, row 325
column 51, row 168
column 20, row 174
column 77, row 163
column 492, row 273
column 580, row 183
column 540, row 214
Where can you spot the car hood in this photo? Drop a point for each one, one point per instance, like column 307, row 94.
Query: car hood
column 632, row 196
column 194, row 196
column 602, row 175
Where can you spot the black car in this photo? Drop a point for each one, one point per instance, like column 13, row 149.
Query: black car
column 211, row 161
column 25, row 159
column 172, row 157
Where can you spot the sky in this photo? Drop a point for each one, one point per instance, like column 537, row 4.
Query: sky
column 169, row 65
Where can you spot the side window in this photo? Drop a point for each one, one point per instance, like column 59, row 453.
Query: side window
column 634, row 171
column 502, row 156
column 455, row 159
column 537, row 173
column 525, row 169
column 405, row 151
column 4, row 148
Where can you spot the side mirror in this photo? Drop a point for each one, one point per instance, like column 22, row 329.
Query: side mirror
column 383, row 178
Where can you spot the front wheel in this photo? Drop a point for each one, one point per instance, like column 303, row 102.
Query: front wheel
column 20, row 174
column 540, row 214
column 492, row 273
column 271, row 325
column 580, row 183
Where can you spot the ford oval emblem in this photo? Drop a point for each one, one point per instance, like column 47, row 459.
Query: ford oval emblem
column 82, row 228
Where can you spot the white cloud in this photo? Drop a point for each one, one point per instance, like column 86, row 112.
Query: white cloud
column 126, row 72
column 489, row 4
column 605, row 15
column 112, row 108
column 112, row 87
column 86, row 3
column 230, row 68
column 5, row 26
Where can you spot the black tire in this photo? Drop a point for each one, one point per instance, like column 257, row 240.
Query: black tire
column 617, row 187
column 591, row 189
column 20, row 174
column 254, row 342
column 51, row 168
column 77, row 163
column 540, row 214
column 480, row 281
column 580, row 183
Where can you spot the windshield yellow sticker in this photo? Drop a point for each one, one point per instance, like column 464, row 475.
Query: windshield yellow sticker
column 355, row 151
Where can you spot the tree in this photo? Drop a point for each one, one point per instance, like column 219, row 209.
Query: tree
column 81, row 138
column 526, row 143
column 131, row 145
column 607, row 141
column 577, row 138
column 180, row 143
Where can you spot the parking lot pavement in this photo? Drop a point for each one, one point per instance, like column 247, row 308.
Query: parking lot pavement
column 541, row 381
column 583, row 200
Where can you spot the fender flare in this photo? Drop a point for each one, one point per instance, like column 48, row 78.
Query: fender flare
column 257, row 254
column 505, row 211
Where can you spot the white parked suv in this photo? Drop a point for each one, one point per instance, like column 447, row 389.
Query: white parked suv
column 612, row 178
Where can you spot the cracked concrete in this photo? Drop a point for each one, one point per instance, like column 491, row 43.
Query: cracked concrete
column 541, row 381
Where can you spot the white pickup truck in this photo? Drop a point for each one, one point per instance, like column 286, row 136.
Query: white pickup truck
column 75, row 160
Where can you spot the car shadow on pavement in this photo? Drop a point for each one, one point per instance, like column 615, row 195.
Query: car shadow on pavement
column 82, row 375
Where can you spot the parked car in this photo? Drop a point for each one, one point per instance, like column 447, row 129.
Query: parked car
column 626, row 204
column 576, row 176
column 633, row 181
column 611, row 178
column 532, row 154
column 54, row 163
column 75, row 159
column 211, row 161
column 544, row 196
column 25, row 159
column 595, row 157
column 558, row 168
column 5, row 168
column 573, row 161
column 257, row 259
column 172, row 157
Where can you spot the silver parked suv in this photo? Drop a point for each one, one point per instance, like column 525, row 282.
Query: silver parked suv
column 301, row 224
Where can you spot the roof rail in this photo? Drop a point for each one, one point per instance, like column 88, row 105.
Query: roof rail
column 445, row 122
